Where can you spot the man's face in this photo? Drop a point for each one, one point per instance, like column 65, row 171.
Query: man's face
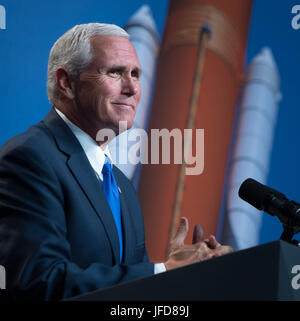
column 109, row 91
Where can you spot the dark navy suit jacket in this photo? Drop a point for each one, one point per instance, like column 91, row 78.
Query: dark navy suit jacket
column 57, row 234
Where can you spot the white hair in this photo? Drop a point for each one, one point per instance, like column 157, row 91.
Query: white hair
column 73, row 51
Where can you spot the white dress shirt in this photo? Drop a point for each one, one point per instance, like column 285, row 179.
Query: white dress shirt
column 96, row 157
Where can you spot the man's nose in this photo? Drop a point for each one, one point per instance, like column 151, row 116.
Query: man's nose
column 130, row 86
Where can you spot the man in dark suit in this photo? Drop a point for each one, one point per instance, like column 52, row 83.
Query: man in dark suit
column 70, row 222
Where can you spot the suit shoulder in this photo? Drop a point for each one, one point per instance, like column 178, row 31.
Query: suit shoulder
column 35, row 138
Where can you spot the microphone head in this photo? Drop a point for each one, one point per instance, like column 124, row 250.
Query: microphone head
column 253, row 193
column 257, row 194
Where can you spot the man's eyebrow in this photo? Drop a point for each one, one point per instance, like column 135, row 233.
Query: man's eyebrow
column 116, row 67
column 123, row 68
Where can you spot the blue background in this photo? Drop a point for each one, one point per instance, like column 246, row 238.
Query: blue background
column 33, row 26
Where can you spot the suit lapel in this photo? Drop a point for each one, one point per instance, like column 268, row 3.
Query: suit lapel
column 86, row 178
column 84, row 175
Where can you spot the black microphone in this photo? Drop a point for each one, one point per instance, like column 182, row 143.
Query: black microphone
column 271, row 201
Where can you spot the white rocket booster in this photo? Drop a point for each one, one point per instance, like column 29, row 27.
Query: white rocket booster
column 251, row 153
column 145, row 39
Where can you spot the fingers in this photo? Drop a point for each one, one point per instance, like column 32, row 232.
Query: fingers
column 181, row 233
column 212, row 242
column 217, row 248
column 198, row 234
column 203, row 252
column 222, row 249
column 179, row 254
column 188, row 254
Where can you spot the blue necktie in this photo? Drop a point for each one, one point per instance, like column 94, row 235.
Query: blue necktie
column 111, row 191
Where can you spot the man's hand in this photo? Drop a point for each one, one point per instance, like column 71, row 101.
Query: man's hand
column 180, row 254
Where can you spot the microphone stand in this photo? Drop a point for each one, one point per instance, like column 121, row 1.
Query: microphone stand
column 288, row 233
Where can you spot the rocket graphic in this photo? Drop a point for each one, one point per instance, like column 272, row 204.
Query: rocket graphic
column 251, row 154
column 218, row 92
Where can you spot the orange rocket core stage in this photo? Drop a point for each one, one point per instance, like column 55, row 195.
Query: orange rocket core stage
column 218, row 93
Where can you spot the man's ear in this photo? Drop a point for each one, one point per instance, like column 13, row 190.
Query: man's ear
column 64, row 83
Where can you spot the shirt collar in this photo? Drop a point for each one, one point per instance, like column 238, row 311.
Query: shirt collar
column 94, row 153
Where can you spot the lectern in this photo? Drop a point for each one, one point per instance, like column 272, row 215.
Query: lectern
column 263, row 272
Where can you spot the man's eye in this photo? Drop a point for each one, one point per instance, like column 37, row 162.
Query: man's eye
column 135, row 75
column 114, row 73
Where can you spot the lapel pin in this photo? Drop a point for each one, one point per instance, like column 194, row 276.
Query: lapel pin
column 119, row 189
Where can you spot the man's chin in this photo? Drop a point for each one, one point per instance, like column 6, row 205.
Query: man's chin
column 124, row 125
